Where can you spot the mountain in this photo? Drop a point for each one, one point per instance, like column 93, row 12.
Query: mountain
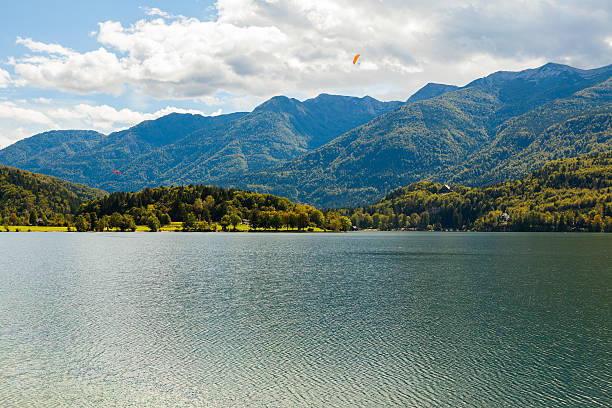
column 564, row 195
column 334, row 151
column 431, row 90
column 496, row 128
column 184, row 148
column 26, row 197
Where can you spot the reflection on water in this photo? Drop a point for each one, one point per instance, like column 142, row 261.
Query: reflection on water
column 358, row 319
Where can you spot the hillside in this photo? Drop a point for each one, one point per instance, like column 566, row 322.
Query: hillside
column 27, row 197
column 494, row 129
column 184, row 148
column 564, row 195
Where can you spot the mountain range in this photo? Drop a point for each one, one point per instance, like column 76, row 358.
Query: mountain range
column 333, row 151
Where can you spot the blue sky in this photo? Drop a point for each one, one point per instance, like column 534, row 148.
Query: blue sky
column 109, row 65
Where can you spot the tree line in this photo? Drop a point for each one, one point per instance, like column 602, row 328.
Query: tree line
column 203, row 208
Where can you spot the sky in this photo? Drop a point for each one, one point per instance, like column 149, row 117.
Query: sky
column 108, row 65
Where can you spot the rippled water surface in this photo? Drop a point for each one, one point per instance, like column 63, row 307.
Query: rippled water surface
column 322, row 320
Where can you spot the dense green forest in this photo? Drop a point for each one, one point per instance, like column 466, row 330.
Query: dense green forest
column 565, row 195
column 202, row 208
column 36, row 199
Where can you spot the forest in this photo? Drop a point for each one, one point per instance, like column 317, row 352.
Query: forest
column 35, row 199
column 203, row 208
column 565, row 195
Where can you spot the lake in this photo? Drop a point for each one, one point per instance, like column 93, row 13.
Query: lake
column 305, row 320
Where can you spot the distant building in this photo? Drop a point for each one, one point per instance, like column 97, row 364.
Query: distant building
column 504, row 217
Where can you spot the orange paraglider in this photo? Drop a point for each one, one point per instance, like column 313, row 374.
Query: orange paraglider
column 355, row 58
column 116, row 171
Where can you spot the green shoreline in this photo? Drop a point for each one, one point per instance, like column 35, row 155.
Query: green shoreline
column 143, row 228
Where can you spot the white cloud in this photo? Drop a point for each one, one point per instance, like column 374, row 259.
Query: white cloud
column 44, row 48
column 105, row 117
column 261, row 48
column 97, row 71
column 155, row 12
column 10, row 135
column 9, row 110
column 5, row 78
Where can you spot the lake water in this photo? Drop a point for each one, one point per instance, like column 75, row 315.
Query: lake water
column 312, row 320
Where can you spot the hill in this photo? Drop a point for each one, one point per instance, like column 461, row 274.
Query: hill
column 564, row 195
column 184, row 148
column 29, row 198
column 201, row 208
column 494, row 129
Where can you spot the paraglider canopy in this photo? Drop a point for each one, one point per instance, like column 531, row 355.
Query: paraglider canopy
column 116, row 171
column 355, row 58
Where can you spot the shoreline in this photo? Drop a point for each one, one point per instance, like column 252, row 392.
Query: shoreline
column 22, row 228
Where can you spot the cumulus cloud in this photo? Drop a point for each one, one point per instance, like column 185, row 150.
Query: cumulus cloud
column 105, row 117
column 44, row 48
column 10, row 110
column 260, row 48
column 5, row 78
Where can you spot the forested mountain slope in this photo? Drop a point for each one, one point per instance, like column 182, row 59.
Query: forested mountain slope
column 26, row 198
column 494, row 129
column 564, row 195
column 184, row 148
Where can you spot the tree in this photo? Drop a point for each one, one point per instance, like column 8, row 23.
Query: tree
column 276, row 220
column 153, row 223
column 198, row 207
column 209, row 202
column 597, row 223
column 128, row 223
column 226, row 220
column 235, row 220
column 81, row 224
column 103, row 223
column 116, row 220
column 345, row 222
column 33, row 217
column 254, row 218
column 93, row 221
column 165, row 219
column 317, row 218
column 302, row 220
column 189, row 222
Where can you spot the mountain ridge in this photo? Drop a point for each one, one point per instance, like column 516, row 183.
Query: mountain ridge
column 432, row 139
column 185, row 148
